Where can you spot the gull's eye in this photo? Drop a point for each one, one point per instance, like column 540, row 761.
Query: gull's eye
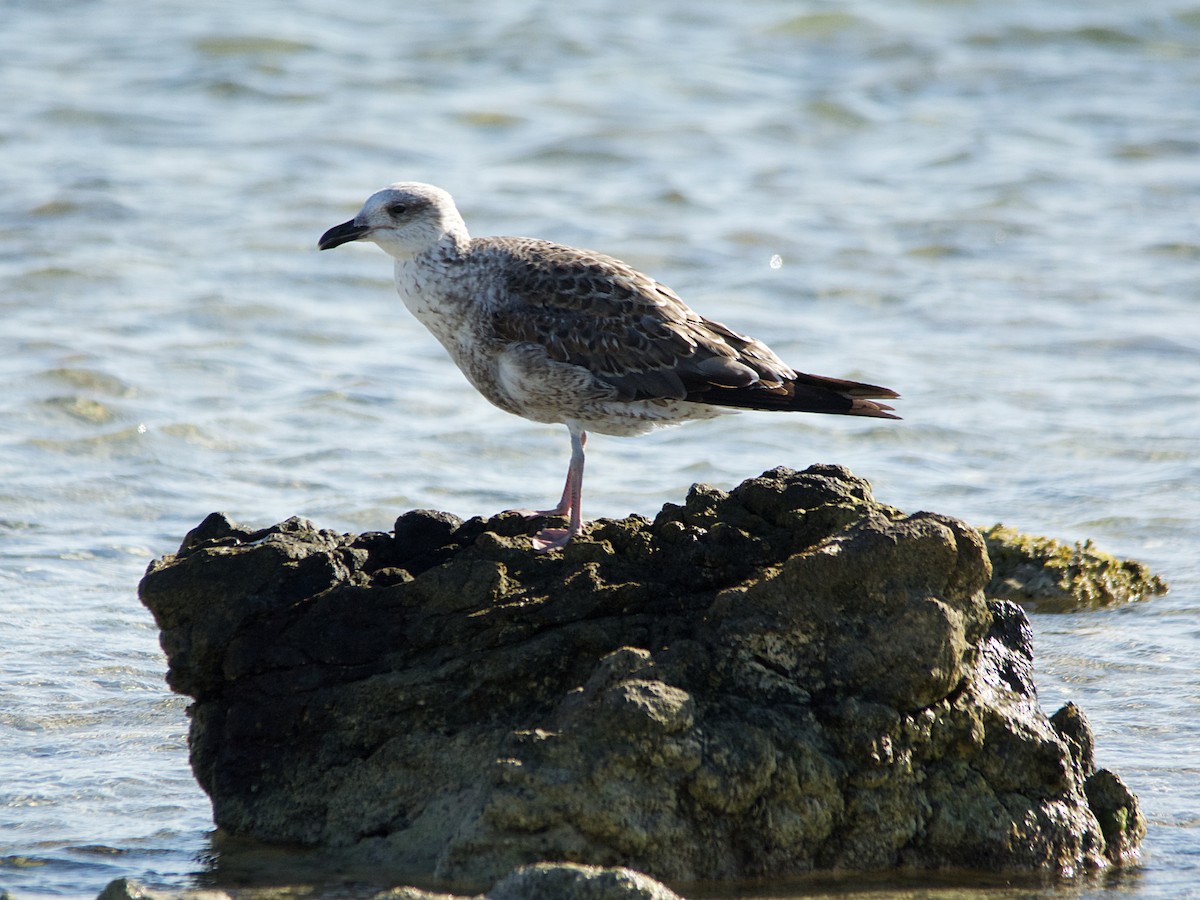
column 396, row 210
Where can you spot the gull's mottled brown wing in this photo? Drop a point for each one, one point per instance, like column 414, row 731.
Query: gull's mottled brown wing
column 624, row 327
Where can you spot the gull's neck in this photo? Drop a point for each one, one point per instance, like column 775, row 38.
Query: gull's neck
column 429, row 284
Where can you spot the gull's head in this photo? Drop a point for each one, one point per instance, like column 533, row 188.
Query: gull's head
column 405, row 219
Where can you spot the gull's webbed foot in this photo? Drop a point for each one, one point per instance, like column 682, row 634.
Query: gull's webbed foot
column 552, row 539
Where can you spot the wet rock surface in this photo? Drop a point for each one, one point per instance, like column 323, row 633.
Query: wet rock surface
column 762, row 682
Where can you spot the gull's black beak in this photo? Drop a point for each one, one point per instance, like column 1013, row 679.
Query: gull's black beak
column 341, row 234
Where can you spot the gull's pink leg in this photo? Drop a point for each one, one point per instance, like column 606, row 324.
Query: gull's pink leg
column 564, row 504
column 570, row 504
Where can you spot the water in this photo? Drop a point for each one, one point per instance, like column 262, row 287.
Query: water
column 990, row 207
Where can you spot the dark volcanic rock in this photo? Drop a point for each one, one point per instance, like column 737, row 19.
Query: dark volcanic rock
column 783, row 677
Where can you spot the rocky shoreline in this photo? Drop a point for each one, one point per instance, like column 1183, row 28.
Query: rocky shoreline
column 783, row 678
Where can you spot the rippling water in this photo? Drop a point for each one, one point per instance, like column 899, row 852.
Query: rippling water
column 990, row 207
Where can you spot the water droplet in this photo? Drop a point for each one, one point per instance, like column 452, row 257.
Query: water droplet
column 776, row 261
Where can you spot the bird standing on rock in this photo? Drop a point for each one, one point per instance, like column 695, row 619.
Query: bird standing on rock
column 559, row 334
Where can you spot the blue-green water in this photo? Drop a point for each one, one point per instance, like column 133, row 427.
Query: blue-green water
column 989, row 207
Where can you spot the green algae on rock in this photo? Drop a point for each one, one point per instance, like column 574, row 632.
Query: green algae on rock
column 1050, row 576
column 784, row 677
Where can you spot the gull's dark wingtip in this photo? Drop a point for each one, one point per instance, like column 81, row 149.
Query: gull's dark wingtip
column 805, row 393
column 871, row 409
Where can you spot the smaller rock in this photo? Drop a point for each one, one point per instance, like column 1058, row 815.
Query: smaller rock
column 129, row 889
column 1042, row 573
column 216, row 528
column 423, row 538
column 564, row 881
column 1119, row 814
column 1010, row 638
column 412, row 893
column 1074, row 728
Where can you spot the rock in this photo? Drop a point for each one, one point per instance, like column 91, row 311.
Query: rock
column 1050, row 576
column 413, row 893
column 1075, row 730
column 129, row 889
column 1119, row 814
column 548, row 881
column 761, row 682
column 540, row 881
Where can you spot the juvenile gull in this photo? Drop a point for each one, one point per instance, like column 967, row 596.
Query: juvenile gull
column 558, row 334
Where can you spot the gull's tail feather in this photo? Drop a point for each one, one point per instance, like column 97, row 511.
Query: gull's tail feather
column 806, row 393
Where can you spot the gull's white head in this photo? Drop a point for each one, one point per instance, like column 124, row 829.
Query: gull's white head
column 404, row 219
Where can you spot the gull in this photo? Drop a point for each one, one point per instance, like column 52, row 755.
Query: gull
column 562, row 335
